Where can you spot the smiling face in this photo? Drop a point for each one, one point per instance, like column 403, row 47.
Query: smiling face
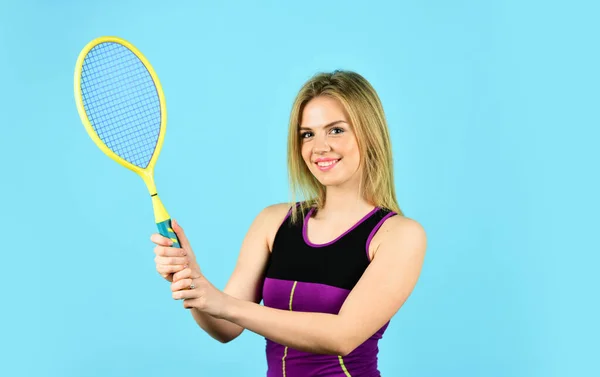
column 329, row 147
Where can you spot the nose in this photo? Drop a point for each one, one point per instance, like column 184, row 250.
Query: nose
column 320, row 145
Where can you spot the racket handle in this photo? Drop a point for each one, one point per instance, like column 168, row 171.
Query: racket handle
column 165, row 229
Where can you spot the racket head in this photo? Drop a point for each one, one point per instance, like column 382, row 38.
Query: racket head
column 121, row 103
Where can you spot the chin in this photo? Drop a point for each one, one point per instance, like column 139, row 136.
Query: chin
column 330, row 181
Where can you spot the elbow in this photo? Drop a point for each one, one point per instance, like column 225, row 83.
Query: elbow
column 344, row 350
column 223, row 338
column 333, row 346
column 345, row 346
column 345, row 341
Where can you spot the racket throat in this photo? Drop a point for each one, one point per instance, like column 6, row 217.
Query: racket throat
column 160, row 213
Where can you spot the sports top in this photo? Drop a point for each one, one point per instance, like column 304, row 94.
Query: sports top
column 307, row 277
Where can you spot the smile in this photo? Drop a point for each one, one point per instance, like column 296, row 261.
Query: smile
column 326, row 165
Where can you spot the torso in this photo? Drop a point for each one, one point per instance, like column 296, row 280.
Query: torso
column 316, row 274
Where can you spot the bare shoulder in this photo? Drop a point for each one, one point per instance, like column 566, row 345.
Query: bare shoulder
column 400, row 233
column 271, row 217
column 274, row 213
column 277, row 209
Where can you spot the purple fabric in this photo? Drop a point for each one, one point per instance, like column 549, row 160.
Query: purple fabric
column 313, row 297
column 375, row 229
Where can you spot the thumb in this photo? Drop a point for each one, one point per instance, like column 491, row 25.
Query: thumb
column 183, row 241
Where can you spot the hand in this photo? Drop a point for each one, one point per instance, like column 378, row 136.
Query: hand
column 170, row 260
column 197, row 292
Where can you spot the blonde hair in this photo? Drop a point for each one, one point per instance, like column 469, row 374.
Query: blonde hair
column 363, row 106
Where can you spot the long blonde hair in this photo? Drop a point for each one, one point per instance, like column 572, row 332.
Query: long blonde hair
column 367, row 118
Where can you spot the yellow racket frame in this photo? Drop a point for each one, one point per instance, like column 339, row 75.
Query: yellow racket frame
column 161, row 215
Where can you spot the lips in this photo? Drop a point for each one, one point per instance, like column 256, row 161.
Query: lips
column 325, row 164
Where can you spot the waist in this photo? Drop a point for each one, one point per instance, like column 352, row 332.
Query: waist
column 288, row 362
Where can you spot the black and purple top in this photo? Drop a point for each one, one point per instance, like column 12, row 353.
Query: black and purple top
column 307, row 277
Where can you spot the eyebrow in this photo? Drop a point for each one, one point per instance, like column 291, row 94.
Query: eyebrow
column 327, row 125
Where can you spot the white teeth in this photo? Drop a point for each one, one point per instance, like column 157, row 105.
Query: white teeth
column 327, row 163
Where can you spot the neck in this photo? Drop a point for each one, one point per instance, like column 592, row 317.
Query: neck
column 344, row 201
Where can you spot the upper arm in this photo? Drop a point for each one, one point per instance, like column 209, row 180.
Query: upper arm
column 386, row 283
column 246, row 280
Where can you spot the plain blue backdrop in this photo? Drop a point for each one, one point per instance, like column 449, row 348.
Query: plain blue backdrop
column 493, row 112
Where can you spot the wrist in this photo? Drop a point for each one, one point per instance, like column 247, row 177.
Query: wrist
column 196, row 272
column 231, row 306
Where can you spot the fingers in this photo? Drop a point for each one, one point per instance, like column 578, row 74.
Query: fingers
column 165, row 251
column 169, row 268
column 181, row 284
column 183, row 241
column 190, row 272
column 183, row 274
column 161, row 240
column 171, row 260
column 185, row 294
column 193, row 303
column 166, row 265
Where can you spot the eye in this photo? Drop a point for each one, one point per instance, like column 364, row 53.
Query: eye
column 306, row 134
column 337, row 130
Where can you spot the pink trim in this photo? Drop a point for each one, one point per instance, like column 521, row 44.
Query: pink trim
column 305, row 228
column 375, row 229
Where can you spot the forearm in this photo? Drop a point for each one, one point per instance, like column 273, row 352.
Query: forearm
column 220, row 329
column 310, row 332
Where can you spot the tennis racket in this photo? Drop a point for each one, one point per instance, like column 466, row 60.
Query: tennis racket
column 122, row 106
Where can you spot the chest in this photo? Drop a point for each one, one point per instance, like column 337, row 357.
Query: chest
column 339, row 263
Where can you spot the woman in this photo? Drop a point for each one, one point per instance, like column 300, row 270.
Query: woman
column 331, row 270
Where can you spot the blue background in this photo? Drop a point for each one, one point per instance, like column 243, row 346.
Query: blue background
column 493, row 111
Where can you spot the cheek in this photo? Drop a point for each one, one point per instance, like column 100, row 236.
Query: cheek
column 349, row 149
column 305, row 152
column 353, row 154
column 356, row 152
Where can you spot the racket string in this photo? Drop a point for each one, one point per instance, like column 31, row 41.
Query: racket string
column 121, row 102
